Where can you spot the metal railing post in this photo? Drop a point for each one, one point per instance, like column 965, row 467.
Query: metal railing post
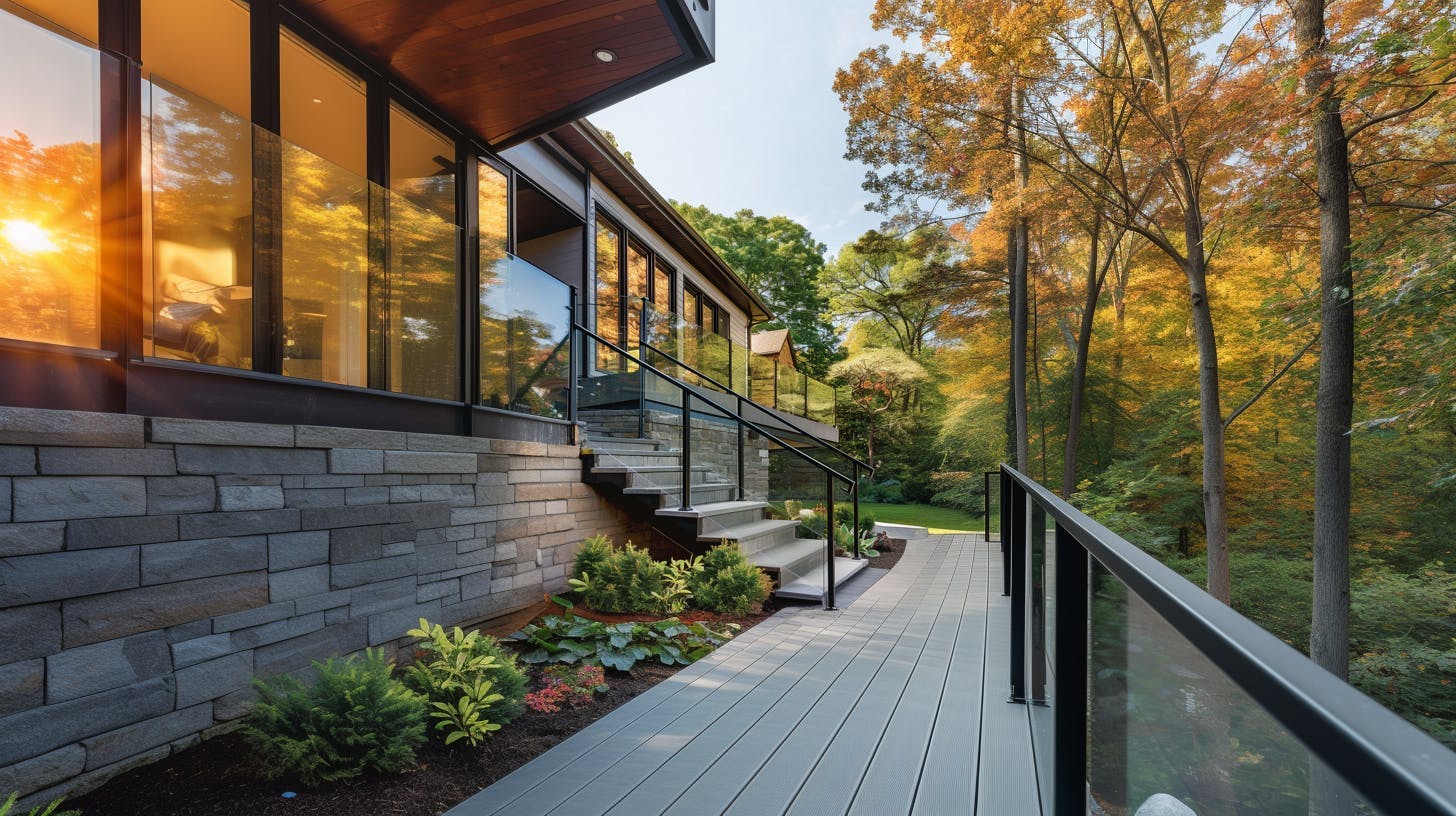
column 854, row 469
column 1005, row 533
column 1069, row 680
column 572, row 355
column 687, row 450
column 641, row 373
column 829, row 547
column 741, row 433
column 1016, row 509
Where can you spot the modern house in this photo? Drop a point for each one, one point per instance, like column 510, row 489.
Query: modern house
column 321, row 317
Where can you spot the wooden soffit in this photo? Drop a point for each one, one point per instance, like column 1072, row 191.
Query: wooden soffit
column 513, row 69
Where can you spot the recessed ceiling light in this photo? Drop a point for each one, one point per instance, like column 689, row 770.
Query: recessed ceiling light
column 605, row 55
column 317, row 101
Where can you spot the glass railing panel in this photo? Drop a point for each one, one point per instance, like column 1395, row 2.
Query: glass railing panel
column 762, row 381
column 525, row 340
column 820, row 401
column 1165, row 721
column 50, row 185
column 791, row 391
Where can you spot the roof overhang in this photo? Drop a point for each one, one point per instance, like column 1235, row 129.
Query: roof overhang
column 514, row 69
column 590, row 147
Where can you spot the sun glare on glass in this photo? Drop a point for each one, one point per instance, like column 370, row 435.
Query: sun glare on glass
column 26, row 237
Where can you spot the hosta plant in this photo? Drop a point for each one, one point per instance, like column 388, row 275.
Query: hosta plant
column 574, row 639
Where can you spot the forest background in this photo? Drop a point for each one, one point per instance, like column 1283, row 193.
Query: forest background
column 1111, row 256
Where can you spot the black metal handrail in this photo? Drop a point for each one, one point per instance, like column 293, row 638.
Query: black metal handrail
column 688, row 394
column 1393, row 765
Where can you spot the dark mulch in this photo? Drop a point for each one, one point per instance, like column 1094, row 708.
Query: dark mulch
column 889, row 558
column 219, row 777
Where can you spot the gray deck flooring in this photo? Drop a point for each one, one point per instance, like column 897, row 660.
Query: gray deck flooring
column 895, row 704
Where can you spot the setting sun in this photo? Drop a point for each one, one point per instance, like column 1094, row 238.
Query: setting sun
column 27, row 237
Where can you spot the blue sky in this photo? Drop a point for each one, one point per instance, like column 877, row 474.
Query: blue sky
column 761, row 128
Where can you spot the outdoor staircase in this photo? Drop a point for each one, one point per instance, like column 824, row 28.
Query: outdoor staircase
column 645, row 477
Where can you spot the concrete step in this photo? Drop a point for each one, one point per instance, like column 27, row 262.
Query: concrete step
column 751, row 537
column 623, row 444
column 635, row 458
column 792, row 559
column 810, row 587
column 670, row 496
column 720, row 514
column 659, row 476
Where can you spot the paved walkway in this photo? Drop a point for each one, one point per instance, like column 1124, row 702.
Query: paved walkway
column 895, row 704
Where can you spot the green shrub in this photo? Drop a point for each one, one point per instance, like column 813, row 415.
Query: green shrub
column 595, row 553
column 628, row 580
column 844, row 517
column 574, row 639
column 472, row 684
column 727, row 583
column 354, row 719
column 49, row 810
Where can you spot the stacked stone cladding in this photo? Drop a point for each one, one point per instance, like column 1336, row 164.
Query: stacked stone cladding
column 150, row 567
column 715, row 443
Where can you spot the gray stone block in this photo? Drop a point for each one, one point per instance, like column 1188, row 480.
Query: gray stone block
column 366, row 572
column 293, row 550
column 476, row 584
column 351, row 545
column 31, row 539
column 473, row 515
column 211, row 460
column 315, row 436
column 43, row 771
column 396, row 623
column 328, row 600
column 314, row 496
column 442, row 442
column 39, row 730
column 366, row 495
column 424, row 514
column 117, row 745
column 207, row 681
column 91, row 780
column 398, row 548
column 495, row 494
column 298, row 653
column 234, row 705
column 336, row 616
column 316, row 480
column 37, row 426
column 196, row 650
column 103, row 617
column 45, row 498
column 246, row 522
column 22, row 685
column 253, row 480
column 253, row 617
column 428, row 462
column 383, row 596
column 278, row 631
column 215, row 432
column 30, row 631
column 325, row 518
column 404, row 493
column 249, row 497
column 107, row 462
column 4, row 499
column 293, row 584
column 89, row 669
column 17, row 460
column 181, row 560
column 448, row 589
column 86, row 534
column 350, row 460
column 181, row 494
column 29, row 579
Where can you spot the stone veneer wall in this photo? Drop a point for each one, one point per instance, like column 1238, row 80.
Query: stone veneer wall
column 150, row 567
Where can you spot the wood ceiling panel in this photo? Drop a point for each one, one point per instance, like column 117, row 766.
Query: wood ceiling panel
column 508, row 67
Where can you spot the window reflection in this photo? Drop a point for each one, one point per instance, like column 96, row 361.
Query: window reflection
column 198, row 155
column 50, row 181
column 608, row 285
column 325, row 236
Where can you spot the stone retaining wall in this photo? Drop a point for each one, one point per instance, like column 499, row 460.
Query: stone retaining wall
column 150, row 567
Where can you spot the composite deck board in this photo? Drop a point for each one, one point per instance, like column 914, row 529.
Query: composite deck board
column 895, row 704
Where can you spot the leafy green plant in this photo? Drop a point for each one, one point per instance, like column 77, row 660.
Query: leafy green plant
column 574, row 639
column 725, row 582
column 472, row 684
column 354, row 719
column 49, row 810
column 569, row 686
column 844, row 517
column 629, row 580
column 846, row 540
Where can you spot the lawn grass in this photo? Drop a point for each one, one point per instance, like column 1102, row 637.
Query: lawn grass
column 937, row 519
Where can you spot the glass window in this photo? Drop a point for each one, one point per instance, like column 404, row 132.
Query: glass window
column 495, row 306
column 198, row 170
column 80, row 17
column 418, row 338
column 50, row 179
column 326, row 206
column 663, row 278
column 636, row 290
column 608, row 286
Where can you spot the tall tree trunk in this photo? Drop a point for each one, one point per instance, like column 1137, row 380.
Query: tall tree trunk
column 1215, row 483
column 1011, row 349
column 1079, row 366
column 1020, row 240
column 1329, row 633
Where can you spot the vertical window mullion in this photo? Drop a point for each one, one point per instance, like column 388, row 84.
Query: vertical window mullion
column 120, row 267
column 267, row 189
column 376, row 148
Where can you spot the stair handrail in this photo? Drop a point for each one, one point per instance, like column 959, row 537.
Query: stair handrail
column 684, row 387
column 688, row 393
column 728, row 389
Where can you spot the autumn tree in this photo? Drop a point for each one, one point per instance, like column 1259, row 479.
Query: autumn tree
column 877, row 381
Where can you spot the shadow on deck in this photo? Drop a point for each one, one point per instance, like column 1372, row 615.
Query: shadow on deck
column 896, row 704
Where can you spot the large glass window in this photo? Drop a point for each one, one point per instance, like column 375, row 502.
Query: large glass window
column 326, row 207
column 637, row 278
column 608, row 287
column 198, row 171
column 50, row 177
column 419, row 339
